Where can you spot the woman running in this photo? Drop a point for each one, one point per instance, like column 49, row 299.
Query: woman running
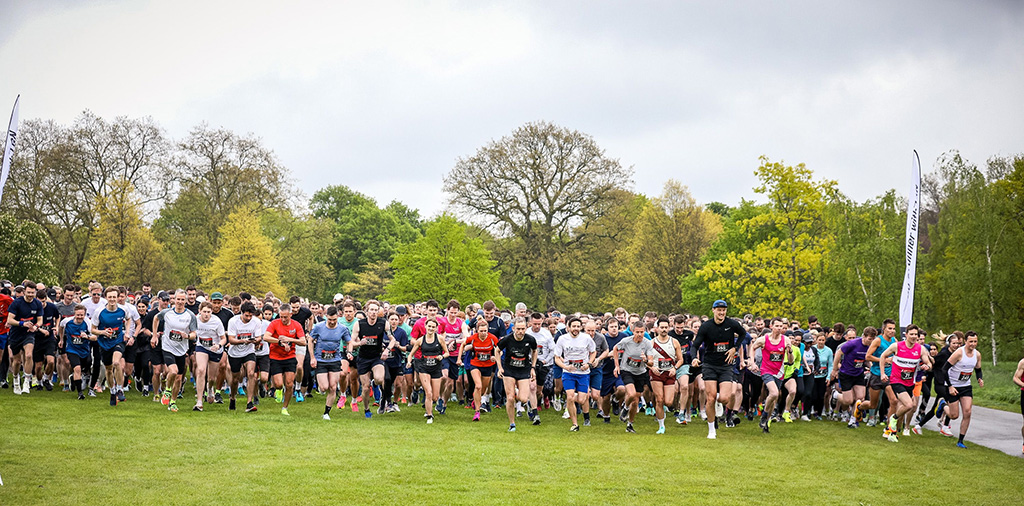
column 209, row 348
column 667, row 357
column 430, row 351
column 907, row 357
column 957, row 373
column 329, row 341
column 482, row 345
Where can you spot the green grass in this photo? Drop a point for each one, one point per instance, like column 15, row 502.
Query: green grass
column 57, row 450
column 1000, row 391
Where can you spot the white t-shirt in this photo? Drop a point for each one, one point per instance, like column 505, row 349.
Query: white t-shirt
column 545, row 346
column 575, row 351
column 133, row 316
column 177, row 326
column 208, row 334
column 240, row 330
column 264, row 349
column 92, row 307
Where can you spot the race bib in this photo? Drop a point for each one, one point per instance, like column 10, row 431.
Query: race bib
column 576, row 363
column 483, row 356
column 634, row 362
column 207, row 343
column 821, row 370
column 245, row 337
column 721, row 347
column 77, row 339
column 328, row 355
column 906, row 374
column 430, row 360
column 775, row 356
column 177, row 336
column 518, row 362
column 371, row 341
column 665, row 364
column 966, row 376
column 858, row 364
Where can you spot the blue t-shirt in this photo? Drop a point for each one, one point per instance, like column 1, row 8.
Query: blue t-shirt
column 396, row 358
column 736, row 363
column 878, row 353
column 329, row 344
column 24, row 312
column 609, row 365
column 76, row 337
column 107, row 319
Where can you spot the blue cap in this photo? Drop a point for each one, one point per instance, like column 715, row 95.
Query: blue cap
column 719, row 303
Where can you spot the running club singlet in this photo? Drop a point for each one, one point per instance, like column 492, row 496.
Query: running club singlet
column 960, row 372
column 905, row 363
column 772, row 356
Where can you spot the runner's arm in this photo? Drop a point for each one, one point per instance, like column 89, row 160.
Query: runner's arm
column 1017, row 374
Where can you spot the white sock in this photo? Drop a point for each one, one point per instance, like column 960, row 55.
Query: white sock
column 661, row 423
column 711, row 427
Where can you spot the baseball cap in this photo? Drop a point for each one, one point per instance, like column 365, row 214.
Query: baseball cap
column 338, row 297
column 162, row 295
column 200, row 299
column 401, row 310
column 216, row 296
column 720, row 303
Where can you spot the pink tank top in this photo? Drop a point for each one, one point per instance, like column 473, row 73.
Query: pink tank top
column 772, row 356
column 905, row 363
column 450, row 332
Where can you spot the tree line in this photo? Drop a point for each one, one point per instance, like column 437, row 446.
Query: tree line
column 542, row 215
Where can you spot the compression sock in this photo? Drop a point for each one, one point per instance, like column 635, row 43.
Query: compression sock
column 586, row 416
column 327, row 409
column 961, row 440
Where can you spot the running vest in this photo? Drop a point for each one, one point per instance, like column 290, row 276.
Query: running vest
column 960, row 373
column 905, row 363
column 885, row 344
column 661, row 361
column 772, row 356
column 451, row 333
column 431, row 352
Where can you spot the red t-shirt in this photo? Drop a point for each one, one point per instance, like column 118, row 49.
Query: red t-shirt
column 277, row 329
column 420, row 328
column 5, row 303
column 483, row 349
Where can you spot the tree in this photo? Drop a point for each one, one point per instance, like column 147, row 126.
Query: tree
column 122, row 251
column 305, row 244
column 672, row 232
column 363, row 233
column 244, row 260
column 537, row 185
column 27, row 252
column 371, row 283
column 445, row 264
column 779, row 273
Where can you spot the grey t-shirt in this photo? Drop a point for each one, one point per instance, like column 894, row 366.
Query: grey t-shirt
column 633, row 355
column 600, row 346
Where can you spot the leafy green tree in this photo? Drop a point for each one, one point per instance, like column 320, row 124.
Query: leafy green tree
column 537, row 185
column 371, row 283
column 245, row 259
column 304, row 243
column 27, row 252
column 445, row 264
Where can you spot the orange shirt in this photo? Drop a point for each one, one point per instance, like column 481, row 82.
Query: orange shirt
column 483, row 350
column 277, row 329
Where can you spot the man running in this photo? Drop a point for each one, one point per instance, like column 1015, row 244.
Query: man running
column 517, row 368
column 244, row 333
column 875, row 384
column 24, row 317
column 179, row 326
column 957, row 373
column 369, row 337
column 75, row 335
column 667, row 357
column 848, row 368
column 720, row 335
column 330, row 340
column 774, row 351
column 574, row 352
column 632, row 356
column 284, row 334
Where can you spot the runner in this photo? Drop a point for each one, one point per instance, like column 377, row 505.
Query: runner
column 244, row 334
column 574, row 352
column 957, row 374
column 848, row 368
column 1018, row 379
column 684, row 338
column 156, row 354
column 596, row 368
column 396, row 343
column 369, row 337
column 612, row 387
column 821, row 384
column 721, row 336
column 774, row 352
column 429, row 352
column 44, row 353
column 24, row 317
column 329, row 342
column 209, row 349
column 304, row 317
column 349, row 320
column 265, row 316
column 667, row 357
column 75, row 334
column 481, row 365
column 180, row 328
column 284, row 334
column 875, row 384
column 632, row 357
column 5, row 304
column 517, row 368
column 907, row 355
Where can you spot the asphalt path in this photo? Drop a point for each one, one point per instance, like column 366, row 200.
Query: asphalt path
column 993, row 428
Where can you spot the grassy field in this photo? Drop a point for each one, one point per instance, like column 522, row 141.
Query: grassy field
column 1000, row 392
column 57, row 450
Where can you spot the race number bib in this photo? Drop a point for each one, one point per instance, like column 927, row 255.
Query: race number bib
column 371, row 341
column 206, row 342
column 177, row 336
column 907, row 374
column 775, row 356
column 721, row 347
column 966, row 376
column 578, row 364
column 634, row 362
column 518, row 362
column 483, row 356
column 328, row 355
column 858, row 364
column 665, row 364
column 245, row 337
column 430, row 360
column 79, row 339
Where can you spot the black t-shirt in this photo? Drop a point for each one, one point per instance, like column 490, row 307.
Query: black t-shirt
column 147, row 323
column 684, row 340
column 225, row 316
column 518, row 353
column 50, row 318
column 24, row 312
column 496, row 327
column 375, row 333
column 718, row 338
column 833, row 344
column 194, row 307
column 304, row 314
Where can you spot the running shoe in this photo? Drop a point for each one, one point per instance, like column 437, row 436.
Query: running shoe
column 586, row 423
column 938, row 407
column 712, row 434
column 917, row 430
column 623, row 415
column 892, row 423
column 486, row 407
column 47, row 385
column 681, row 418
column 476, row 416
column 81, row 396
column 565, row 415
column 165, row 397
column 120, row 395
column 92, row 393
column 262, row 391
column 649, row 411
column 217, row 398
column 857, row 414
column 326, row 417
column 17, row 388
column 341, row 402
column 906, row 431
column 430, row 419
column 872, row 421
column 299, row 397
column 703, row 415
column 35, row 384
column 197, row 408
column 173, row 407
column 719, row 409
column 607, row 419
column 381, row 408
column 231, row 404
column 250, row 407
column 512, row 428
column 960, row 444
column 536, row 419
column 367, row 414
column 574, row 428
column 787, row 417
column 284, row 411
column 3, row 384
column 355, row 407
column 805, row 418
column 392, row 408
column 729, row 423
column 630, row 429
column 945, row 431
column 279, row 396
column 661, row 430
column 892, row 438
column 113, row 399
column 853, row 424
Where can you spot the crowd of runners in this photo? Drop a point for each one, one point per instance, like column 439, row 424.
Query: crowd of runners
column 375, row 358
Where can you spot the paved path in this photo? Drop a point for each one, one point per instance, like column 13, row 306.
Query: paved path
column 992, row 428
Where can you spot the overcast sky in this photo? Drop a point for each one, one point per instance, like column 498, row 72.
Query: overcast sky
column 385, row 96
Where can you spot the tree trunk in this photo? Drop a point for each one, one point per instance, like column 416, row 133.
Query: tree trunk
column 991, row 302
column 549, row 289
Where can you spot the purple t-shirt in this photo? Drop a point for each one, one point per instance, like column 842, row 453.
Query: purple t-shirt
column 853, row 357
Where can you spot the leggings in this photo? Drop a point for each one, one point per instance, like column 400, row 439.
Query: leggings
column 390, row 374
column 5, row 364
column 97, row 364
column 818, row 395
column 752, row 385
